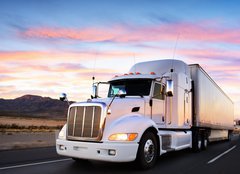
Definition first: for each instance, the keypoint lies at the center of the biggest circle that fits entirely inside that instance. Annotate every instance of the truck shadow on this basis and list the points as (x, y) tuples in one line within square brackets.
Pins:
[(167, 163), (108, 167), (103, 167)]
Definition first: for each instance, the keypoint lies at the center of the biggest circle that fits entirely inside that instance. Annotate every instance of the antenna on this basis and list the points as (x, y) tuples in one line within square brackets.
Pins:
[(94, 67), (174, 51), (134, 61)]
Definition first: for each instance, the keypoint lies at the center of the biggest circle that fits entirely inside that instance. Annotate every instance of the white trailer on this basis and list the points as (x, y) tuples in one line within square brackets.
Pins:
[(159, 106)]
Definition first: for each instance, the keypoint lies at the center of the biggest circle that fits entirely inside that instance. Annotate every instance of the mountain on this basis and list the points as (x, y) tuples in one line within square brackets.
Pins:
[(33, 106)]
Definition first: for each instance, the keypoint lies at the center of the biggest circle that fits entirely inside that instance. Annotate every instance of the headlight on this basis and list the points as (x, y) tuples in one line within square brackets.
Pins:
[(123, 137), (62, 133)]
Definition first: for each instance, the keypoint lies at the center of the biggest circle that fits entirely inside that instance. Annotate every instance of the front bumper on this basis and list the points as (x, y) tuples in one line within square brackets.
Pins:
[(114, 152)]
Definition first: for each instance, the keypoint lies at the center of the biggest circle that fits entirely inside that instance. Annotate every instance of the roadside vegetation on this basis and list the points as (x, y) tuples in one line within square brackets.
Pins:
[(21, 128), (21, 124)]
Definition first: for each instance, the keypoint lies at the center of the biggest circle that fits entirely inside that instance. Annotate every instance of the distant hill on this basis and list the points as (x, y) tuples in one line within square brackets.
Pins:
[(33, 106)]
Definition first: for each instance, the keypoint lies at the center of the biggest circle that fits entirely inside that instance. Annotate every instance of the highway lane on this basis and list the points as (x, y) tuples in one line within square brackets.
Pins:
[(45, 160)]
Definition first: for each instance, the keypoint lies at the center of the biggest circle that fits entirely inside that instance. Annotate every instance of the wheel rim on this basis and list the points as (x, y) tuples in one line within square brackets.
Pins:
[(149, 151), (205, 143), (199, 144)]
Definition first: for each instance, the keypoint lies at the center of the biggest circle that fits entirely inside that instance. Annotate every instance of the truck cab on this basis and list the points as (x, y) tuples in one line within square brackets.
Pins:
[(141, 118)]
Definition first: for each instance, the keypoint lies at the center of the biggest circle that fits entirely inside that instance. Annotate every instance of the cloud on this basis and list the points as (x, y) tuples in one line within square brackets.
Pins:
[(89, 34), (211, 54), (72, 66), (63, 69), (6, 88), (5, 78), (125, 33), (166, 19), (61, 56)]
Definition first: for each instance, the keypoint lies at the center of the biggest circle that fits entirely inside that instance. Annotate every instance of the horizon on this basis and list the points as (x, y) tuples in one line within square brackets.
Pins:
[(50, 47)]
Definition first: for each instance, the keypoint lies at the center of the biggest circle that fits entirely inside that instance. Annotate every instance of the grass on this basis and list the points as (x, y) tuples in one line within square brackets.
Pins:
[(21, 128), (22, 124)]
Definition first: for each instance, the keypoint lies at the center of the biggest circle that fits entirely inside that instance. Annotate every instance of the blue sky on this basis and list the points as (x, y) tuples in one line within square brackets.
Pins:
[(50, 46)]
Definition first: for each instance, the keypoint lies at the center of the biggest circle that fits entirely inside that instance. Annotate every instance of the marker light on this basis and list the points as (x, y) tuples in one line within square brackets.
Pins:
[(131, 73), (138, 73), (152, 73), (123, 137)]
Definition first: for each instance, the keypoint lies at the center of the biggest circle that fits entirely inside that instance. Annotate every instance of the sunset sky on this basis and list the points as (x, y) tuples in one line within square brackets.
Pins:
[(53, 46)]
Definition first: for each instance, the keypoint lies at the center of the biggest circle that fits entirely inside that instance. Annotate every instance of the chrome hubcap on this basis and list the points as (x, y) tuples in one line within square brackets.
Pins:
[(205, 143), (199, 144), (149, 151)]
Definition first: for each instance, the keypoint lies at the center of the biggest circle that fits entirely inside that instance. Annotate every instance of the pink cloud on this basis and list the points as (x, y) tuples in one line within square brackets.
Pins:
[(210, 53), (7, 88), (33, 56), (164, 32), (89, 34)]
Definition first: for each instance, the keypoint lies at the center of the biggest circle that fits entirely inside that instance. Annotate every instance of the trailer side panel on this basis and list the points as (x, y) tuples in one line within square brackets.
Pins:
[(213, 108)]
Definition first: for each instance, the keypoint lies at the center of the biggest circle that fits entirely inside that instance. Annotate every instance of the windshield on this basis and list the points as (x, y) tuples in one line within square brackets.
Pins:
[(133, 87)]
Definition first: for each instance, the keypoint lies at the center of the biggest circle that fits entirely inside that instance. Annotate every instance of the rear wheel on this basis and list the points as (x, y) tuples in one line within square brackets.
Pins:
[(229, 136), (196, 141), (200, 140), (147, 151)]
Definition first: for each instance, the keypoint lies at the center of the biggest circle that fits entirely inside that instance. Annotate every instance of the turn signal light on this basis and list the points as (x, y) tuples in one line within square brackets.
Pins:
[(123, 137)]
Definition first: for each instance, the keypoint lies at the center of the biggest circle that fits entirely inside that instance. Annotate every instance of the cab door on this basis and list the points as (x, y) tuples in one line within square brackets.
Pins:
[(158, 104)]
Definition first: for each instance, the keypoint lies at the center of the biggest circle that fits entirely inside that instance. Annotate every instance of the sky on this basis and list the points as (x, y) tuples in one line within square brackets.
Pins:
[(52, 46)]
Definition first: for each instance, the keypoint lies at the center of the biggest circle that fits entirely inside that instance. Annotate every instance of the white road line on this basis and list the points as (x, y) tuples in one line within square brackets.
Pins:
[(34, 164), (219, 156)]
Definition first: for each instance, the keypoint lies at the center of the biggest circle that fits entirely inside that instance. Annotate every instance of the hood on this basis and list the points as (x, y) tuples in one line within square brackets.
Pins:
[(124, 106)]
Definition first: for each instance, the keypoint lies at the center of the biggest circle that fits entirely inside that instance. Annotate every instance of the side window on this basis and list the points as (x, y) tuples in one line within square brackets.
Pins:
[(158, 93)]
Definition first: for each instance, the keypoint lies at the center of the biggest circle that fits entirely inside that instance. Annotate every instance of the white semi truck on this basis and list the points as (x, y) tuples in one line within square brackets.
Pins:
[(159, 106)]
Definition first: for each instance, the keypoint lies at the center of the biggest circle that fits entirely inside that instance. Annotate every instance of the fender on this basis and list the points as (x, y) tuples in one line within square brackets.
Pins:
[(129, 124)]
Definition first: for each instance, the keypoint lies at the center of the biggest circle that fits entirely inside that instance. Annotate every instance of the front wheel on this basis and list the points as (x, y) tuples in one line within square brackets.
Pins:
[(147, 151)]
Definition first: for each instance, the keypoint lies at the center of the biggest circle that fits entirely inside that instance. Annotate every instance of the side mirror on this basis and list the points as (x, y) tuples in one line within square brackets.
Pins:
[(169, 89), (63, 97)]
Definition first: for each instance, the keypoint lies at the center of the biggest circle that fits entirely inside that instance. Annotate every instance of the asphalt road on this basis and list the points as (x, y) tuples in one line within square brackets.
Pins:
[(220, 158)]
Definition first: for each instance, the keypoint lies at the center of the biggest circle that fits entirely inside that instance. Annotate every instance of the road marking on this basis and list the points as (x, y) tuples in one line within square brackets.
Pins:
[(219, 156), (34, 164)]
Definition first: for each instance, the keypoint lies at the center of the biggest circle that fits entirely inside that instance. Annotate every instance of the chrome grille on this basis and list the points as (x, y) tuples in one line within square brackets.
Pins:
[(84, 122)]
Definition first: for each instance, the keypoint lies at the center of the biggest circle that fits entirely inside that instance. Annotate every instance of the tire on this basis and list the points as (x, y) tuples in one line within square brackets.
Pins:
[(147, 151), (196, 141), (229, 136)]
